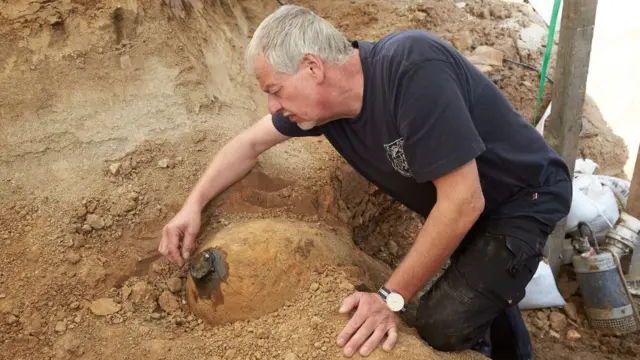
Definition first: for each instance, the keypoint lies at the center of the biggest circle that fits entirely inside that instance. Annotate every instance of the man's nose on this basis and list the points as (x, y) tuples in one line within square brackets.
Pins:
[(273, 105)]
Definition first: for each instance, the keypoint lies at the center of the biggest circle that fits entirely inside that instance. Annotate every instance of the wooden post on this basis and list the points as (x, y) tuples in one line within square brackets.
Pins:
[(633, 202), (633, 209), (572, 67)]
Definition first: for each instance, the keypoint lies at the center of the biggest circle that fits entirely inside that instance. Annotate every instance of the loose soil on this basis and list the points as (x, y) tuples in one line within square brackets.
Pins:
[(109, 112)]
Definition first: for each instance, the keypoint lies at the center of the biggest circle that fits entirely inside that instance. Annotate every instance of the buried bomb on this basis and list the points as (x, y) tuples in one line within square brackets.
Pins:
[(270, 260)]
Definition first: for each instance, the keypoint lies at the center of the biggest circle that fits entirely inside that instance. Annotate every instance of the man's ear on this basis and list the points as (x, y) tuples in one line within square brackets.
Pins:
[(313, 64)]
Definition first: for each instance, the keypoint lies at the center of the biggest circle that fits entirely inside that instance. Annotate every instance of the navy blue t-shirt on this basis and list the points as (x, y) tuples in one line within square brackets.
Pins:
[(426, 111)]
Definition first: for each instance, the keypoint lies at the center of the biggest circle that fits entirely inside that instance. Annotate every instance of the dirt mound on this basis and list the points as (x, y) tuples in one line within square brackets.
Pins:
[(291, 270), (265, 264)]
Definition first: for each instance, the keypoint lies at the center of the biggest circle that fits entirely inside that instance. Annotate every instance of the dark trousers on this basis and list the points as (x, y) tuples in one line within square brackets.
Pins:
[(475, 301)]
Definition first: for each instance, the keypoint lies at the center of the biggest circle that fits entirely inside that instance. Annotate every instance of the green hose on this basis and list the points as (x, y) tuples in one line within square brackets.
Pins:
[(547, 55)]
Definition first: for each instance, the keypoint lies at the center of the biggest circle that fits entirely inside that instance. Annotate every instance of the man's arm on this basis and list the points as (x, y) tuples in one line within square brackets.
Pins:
[(230, 164), (441, 144), (460, 203), (234, 161)]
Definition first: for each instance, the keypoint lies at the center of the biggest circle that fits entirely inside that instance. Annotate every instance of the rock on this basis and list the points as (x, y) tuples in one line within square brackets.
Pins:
[(347, 285), (500, 12), (129, 205), (12, 319), (554, 334), (2, 296), (95, 221), (168, 302), (315, 321), (486, 55), (541, 315), (163, 163), (314, 287), (230, 353), (461, 5), (290, 356), (61, 326), (481, 12), (532, 38), (142, 292), (126, 291), (104, 307), (115, 168), (392, 246), (174, 284), (571, 310), (86, 228), (91, 206), (125, 62), (462, 40), (558, 321), (79, 241), (573, 335), (73, 257)]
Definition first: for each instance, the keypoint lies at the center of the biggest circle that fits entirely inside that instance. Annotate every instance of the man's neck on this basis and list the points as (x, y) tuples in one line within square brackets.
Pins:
[(347, 88)]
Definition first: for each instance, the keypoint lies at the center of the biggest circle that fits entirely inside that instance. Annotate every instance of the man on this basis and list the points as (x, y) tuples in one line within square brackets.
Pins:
[(415, 118)]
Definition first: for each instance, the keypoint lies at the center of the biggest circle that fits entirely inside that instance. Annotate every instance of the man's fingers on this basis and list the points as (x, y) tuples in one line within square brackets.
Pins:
[(187, 244), (163, 248), (391, 340), (352, 326), (360, 337), (169, 246), (373, 341), (350, 302)]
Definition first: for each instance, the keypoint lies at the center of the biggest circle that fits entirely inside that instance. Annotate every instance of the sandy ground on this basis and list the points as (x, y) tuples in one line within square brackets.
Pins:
[(109, 112)]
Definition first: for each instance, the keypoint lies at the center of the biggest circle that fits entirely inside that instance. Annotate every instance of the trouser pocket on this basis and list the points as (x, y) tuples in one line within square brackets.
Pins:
[(500, 266)]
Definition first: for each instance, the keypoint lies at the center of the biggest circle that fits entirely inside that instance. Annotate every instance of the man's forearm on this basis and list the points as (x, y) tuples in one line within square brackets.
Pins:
[(229, 165), (441, 233)]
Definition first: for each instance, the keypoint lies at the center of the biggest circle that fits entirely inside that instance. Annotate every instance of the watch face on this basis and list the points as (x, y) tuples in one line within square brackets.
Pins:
[(395, 301)]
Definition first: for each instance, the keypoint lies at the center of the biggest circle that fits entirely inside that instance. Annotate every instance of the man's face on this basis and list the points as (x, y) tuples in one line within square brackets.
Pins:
[(299, 96)]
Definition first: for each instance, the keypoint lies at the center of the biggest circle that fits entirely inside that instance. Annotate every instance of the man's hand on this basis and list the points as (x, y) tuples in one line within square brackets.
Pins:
[(369, 325), (184, 226)]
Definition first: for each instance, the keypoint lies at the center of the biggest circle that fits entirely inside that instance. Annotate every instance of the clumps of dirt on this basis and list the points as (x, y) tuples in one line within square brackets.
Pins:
[(304, 328), (565, 333), (379, 225)]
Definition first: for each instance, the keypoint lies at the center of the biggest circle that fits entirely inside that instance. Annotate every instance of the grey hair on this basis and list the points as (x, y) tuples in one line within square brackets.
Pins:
[(285, 36)]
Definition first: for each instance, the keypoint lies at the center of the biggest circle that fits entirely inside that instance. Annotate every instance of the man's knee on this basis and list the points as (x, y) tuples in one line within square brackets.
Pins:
[(452, 316), (447, 335)]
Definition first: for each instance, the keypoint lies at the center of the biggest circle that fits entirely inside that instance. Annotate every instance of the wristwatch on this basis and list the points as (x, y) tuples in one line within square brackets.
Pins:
[(394, 301)]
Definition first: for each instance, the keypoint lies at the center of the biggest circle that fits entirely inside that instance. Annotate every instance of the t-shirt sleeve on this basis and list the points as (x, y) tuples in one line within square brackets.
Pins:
[(291, 129), (434, 121)]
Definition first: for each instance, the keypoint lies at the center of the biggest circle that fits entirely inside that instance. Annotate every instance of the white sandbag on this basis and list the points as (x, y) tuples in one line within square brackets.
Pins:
[(619, 187), (593, 204), (542, 291), (585, 166)]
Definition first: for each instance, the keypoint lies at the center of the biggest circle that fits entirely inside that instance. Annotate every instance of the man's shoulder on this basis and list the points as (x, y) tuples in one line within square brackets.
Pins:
[(411, 46)]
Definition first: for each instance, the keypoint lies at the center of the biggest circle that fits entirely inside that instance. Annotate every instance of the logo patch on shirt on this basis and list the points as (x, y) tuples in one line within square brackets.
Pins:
[(395, 154)]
